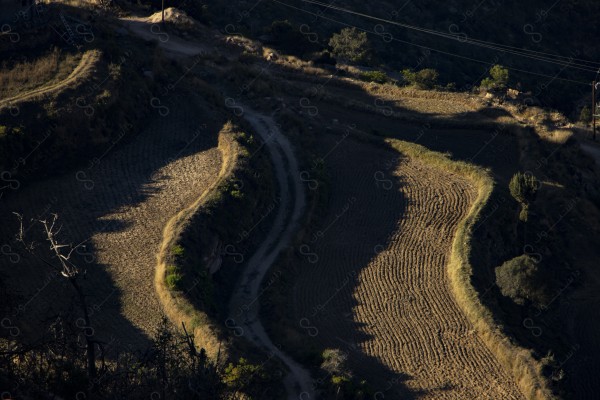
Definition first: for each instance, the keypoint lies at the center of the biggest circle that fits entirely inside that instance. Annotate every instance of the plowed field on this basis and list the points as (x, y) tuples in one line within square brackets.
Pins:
[(374, 280), (119, 202)]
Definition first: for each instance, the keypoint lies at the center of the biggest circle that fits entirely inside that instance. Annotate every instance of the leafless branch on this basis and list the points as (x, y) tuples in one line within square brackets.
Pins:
[(68, 269), (20, 236)]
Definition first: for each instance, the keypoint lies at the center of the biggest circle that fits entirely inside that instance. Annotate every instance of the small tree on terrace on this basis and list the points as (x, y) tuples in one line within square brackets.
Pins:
[(423, 79), (498, 79), (524, 187), (352, 45)]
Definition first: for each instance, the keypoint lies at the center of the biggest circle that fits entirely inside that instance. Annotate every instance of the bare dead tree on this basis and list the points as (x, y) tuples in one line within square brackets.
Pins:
[(71, 272)]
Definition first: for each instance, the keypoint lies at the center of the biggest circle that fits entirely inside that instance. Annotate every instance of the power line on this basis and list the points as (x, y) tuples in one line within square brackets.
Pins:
[(570, 62), (430, 48), (457, 36)]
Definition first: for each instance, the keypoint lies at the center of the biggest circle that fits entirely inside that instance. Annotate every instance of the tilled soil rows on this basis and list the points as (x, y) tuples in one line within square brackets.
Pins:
[(121, 202), (374, 282)]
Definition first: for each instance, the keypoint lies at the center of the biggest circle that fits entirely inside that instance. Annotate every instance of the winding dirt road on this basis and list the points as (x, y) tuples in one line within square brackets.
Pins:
[(244, 306)]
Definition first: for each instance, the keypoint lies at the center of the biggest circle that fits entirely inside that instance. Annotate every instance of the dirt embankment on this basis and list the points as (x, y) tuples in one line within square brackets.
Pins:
[(175, 303)]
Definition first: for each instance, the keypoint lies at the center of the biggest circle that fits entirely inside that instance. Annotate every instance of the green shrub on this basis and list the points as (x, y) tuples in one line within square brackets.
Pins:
[(519, 279), (374, 76), (523, 187), (246, 377), (245, 139), (177, 250), (174, 277), (423, 79), (498, 79), (351, 45), (236, 194)]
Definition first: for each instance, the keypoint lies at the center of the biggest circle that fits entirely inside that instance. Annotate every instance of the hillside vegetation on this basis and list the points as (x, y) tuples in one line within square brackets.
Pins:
[(255, 201), (564, 28)]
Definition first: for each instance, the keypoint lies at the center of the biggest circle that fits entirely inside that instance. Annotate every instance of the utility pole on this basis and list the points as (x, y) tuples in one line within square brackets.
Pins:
[(594, 110)]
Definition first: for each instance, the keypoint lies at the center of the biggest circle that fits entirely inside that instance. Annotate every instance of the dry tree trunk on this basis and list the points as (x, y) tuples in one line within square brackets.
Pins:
[(72, 273)]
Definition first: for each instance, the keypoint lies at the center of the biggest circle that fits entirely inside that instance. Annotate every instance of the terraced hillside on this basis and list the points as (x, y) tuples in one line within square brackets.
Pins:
[(374, 281), (370, 276), (120, 203)]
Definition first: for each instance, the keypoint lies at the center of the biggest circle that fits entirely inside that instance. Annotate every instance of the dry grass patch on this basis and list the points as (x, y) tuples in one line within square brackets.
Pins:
[(23, 76), (77, 3)]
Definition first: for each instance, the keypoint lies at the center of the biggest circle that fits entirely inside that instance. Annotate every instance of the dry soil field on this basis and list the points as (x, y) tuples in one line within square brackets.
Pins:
[(374, 283), (121, 202)]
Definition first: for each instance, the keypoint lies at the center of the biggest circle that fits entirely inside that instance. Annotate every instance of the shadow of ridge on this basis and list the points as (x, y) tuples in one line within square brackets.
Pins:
[(334, 88), (481, 138), (347, 241), (51, 298), (91, 203), (498, 148), (478, 137)]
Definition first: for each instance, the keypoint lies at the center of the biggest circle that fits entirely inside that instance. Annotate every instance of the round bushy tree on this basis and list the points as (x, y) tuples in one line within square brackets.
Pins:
[(351, 45), (519, 279)]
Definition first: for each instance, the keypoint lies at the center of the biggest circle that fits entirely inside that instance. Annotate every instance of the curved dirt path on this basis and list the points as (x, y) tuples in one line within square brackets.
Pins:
[(375, 285), (244, 306), (82, 71), (121, 203)]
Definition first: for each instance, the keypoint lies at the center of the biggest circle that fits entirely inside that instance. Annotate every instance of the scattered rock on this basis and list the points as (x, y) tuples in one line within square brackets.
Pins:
[(175, 16), (513, 94)]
